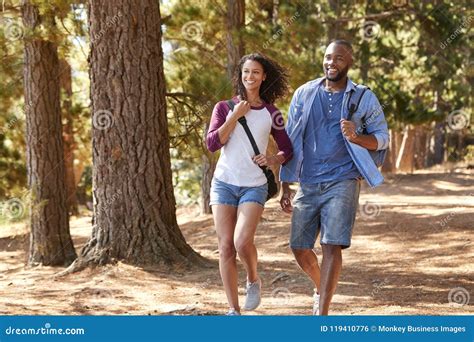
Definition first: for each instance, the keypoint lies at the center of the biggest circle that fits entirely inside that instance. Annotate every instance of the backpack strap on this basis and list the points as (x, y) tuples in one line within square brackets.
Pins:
[(231, 104), (243, 122), (354, 101)]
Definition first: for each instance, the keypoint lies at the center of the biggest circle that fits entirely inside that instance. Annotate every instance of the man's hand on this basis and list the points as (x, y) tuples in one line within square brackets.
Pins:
[(348, 129), (286, 198)]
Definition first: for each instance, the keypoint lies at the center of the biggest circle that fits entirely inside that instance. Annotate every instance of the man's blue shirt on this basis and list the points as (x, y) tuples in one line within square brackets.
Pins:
[(325, 156)]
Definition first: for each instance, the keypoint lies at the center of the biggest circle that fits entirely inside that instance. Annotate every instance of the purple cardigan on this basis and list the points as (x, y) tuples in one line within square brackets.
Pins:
[(219, 114)]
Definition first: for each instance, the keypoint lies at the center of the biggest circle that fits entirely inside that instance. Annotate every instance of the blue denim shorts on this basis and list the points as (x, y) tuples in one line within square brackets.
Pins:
[(328, 208), (224, 193)]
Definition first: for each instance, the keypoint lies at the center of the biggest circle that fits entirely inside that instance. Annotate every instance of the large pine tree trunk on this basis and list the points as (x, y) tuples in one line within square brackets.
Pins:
[(50, 241), (134, 204), (68, 135)]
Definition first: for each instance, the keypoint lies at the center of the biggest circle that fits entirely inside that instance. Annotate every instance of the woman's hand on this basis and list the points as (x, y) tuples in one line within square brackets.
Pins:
[(263, 160), (240, 110)]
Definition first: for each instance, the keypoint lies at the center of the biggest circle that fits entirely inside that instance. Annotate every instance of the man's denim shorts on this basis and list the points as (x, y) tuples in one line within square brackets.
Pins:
[(328, 208), (224, 193)]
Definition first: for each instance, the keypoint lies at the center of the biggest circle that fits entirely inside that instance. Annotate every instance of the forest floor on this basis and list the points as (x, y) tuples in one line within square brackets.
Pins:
[(412, 253)]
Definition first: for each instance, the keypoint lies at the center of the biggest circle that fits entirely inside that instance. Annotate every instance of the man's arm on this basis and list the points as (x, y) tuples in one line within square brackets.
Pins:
[(369, 141), (377, 137)]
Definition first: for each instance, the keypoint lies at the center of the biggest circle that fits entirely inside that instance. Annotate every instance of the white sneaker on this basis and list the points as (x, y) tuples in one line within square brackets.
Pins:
[(233, 312), (316, 304), (253, 298)]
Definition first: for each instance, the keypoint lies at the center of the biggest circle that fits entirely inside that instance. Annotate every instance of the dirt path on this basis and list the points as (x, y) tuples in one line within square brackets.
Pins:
[(412, 248)]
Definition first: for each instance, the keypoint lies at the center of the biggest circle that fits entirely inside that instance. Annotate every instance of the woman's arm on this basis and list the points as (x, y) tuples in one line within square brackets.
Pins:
[(221, 128), (228, 127)]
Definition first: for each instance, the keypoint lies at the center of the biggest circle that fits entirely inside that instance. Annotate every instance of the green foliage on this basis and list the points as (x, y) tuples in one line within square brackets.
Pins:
[(415, 55)]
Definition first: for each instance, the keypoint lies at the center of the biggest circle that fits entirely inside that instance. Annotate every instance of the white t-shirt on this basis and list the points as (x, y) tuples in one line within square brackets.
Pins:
[(235, 165)]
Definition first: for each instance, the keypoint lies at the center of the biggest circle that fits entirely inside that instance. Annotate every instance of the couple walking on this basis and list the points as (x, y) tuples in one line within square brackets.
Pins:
[(336, 136)]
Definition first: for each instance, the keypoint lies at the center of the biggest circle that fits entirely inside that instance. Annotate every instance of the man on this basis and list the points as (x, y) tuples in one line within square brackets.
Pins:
[(333, 150)]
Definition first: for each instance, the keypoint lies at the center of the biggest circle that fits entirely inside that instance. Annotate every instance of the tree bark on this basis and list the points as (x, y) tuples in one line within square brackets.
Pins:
[(208, 167), (134, 204), (437, 142), (391, 157), (405, 158), (50, 240), (65, 83), (420, 147)]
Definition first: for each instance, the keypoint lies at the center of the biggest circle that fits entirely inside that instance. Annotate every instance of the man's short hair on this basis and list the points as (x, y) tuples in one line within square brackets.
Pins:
[(346, 43)]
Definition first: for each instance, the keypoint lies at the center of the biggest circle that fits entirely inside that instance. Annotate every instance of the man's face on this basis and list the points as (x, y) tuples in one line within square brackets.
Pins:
[(337, 61)]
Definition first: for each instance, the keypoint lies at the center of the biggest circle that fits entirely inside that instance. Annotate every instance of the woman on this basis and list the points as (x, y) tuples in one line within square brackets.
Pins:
[(239, 186)]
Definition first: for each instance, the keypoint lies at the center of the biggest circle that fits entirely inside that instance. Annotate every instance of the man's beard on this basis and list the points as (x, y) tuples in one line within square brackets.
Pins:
[(339, 76)]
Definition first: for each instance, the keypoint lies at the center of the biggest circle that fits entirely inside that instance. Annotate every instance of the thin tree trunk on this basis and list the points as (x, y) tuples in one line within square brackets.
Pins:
[(235, 50), (333, 27), (208, 167), (235, 25), (68, 135), (50, 240), (389, 163), (134, 204), (438, 139), (406, 155), (419, 148)]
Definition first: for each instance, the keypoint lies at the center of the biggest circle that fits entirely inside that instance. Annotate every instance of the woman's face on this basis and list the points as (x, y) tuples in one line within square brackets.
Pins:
[(252, 75)]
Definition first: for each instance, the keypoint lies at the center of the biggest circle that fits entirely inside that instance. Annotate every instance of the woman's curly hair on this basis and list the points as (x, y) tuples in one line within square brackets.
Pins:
[(273, 87)]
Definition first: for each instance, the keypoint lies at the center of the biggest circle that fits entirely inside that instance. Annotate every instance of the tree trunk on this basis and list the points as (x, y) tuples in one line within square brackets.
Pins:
[(437, 141), (208, 167), (419, 148), (235, 51), (333, 26), (50, 241), (391, 157), (134, 204), (68, 135), (405, 157), (235, 25)]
